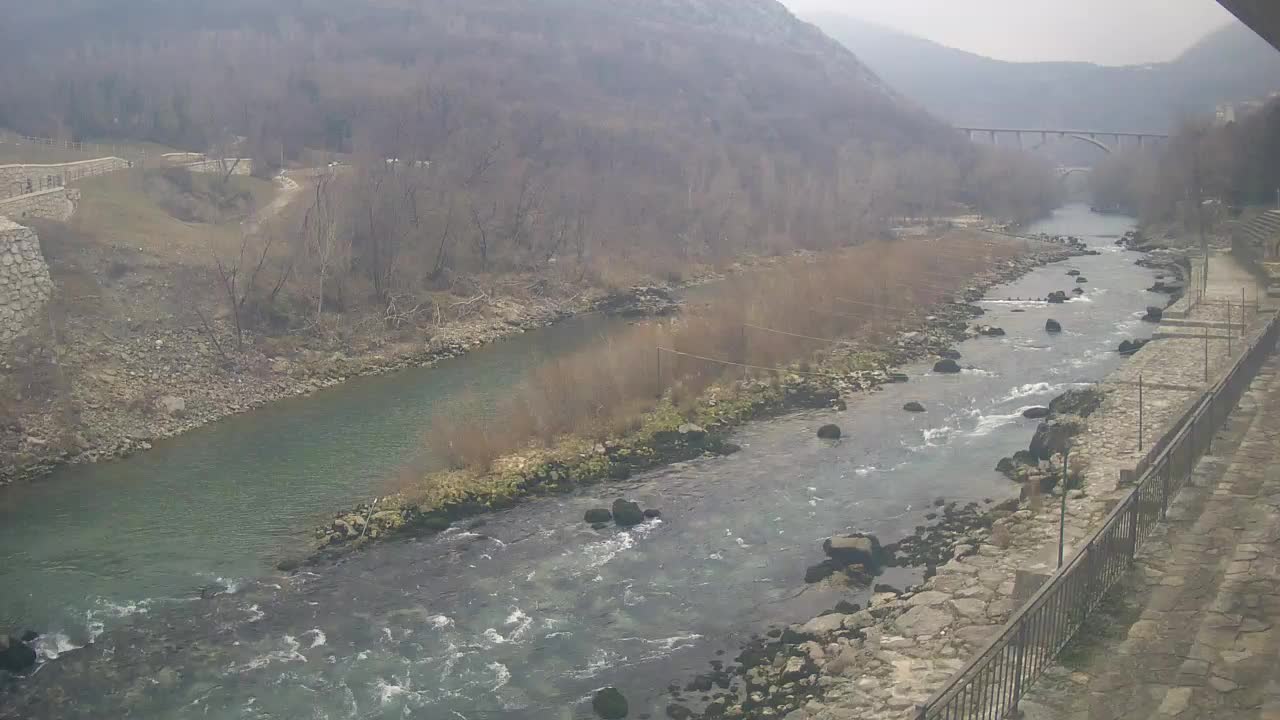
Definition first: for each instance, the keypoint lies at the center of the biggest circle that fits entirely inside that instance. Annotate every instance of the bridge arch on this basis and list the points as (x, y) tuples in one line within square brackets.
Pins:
[(1092, 141)]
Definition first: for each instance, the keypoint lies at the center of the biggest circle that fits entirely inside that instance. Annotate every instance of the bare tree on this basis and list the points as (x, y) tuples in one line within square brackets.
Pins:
[(320, 230)]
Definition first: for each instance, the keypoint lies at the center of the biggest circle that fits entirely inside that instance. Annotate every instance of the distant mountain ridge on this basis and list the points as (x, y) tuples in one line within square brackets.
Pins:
[(1230, 64)]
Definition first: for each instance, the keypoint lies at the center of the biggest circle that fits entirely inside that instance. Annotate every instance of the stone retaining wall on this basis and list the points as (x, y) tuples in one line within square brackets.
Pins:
[(54, 204), (237, 166), (26, 179), (25, 286)]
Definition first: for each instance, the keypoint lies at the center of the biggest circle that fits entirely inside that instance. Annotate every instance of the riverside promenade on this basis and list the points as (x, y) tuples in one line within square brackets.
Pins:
[(1191, 632)]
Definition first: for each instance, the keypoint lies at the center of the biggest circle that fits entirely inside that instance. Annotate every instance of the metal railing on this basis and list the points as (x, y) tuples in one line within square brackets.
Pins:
[(90, 148), (51, 176), (995, 679)]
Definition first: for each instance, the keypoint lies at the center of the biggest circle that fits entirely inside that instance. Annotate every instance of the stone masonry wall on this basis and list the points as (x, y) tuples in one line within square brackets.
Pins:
[(54, 204), (26, 179), (25, 286), (238, 166)]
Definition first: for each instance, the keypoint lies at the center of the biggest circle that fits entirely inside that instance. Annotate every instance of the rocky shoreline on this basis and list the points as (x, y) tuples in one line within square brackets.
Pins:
[(878, 662), (669, 436), (186, 390)]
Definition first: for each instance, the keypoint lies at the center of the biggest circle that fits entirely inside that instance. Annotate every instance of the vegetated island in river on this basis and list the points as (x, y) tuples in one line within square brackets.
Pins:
[(673, 391)]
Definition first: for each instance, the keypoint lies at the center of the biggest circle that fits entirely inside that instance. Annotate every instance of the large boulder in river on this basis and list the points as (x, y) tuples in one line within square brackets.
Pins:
[(989, 331), (820, 572), (1055, 437), (1052, 326), (913, 407), (1057, 297), (627, 513), (16, 657), (1154, 315), (829, 432), (859, 549), (1073, 273), (949, 354), (1077, 401), (946, 366), (1035, 413), (596, 516), (610, 704), (1082, 279), (1129, 347)]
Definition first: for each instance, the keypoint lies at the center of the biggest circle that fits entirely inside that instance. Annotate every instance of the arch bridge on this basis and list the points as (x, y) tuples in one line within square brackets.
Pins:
[(1093, 137)]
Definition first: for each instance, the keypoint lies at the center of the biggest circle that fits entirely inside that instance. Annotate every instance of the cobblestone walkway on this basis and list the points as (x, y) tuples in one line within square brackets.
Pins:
[(1197, 623)]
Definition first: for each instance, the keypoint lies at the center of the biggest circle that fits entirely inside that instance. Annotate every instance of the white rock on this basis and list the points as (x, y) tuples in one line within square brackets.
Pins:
[(930, 597), (924, 620), (823, 626)]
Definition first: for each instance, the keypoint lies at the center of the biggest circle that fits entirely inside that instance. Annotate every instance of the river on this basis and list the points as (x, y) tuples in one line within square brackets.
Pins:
[(525, 613)]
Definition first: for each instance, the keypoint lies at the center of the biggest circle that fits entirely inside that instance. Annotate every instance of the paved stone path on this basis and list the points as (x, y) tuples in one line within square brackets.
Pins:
[(1200, 637)]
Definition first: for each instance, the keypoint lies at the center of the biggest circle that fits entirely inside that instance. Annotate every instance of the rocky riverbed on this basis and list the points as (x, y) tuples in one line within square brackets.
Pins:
[(977, 563), (663, 437)]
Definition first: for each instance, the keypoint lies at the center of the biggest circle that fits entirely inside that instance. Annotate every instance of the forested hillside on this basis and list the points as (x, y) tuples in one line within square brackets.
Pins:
[(660, 130)]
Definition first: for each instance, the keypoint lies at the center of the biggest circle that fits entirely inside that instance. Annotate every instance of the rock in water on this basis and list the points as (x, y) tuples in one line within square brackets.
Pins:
[(819, 572), (1052, 326), (946, 366), (949, 354), (1054, 437), (652, 514), (597, 515), (1077, 401), (829, 432), (990, 331), (627, 513), (1035, 413), (610, 704), (16, 656), (1077, 291), (1082, 279), (1073, 273), (861, 550), (913, 407), (1057, 297), (1154, 315)]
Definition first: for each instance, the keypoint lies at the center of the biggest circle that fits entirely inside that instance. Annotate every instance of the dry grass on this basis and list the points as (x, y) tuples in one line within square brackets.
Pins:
[(788, 315)]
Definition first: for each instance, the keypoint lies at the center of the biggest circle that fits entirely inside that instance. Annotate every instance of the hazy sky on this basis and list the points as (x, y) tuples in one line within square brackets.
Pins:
[(1113, 32)]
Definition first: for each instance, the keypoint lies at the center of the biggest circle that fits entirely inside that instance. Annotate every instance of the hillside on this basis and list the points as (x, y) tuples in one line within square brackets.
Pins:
[(1230, 64), (458, 170)]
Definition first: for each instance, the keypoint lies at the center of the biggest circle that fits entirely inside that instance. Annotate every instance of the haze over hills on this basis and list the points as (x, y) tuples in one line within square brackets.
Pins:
[(699, 122), (1230, 64)]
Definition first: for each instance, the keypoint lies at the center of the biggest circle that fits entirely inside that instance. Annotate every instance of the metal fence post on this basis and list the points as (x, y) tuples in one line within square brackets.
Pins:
[(1133, 529), (1164, 493), (1062, 515), (1140, 412), (1206, 353), (1019, 668)]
